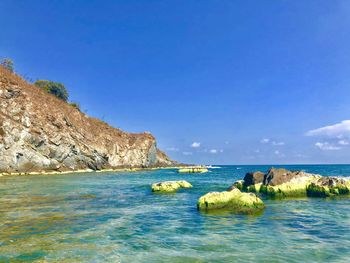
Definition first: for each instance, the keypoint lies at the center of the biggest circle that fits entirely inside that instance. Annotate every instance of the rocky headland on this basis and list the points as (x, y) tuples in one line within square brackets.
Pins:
[(41, 133)]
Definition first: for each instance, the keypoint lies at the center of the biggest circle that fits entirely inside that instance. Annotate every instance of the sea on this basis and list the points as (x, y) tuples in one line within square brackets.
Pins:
[(114, 217)]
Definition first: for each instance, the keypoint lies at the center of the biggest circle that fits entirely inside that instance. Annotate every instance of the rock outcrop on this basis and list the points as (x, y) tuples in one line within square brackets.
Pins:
[(170, 186), (39, 132), (285, 183), (233, 200), (329, 186), (278, 182)]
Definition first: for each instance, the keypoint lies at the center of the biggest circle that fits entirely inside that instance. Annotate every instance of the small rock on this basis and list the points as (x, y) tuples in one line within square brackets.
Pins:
[(170, 186)]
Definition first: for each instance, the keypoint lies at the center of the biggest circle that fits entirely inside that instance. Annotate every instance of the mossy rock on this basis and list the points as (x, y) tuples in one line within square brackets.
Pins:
[(170, 186), (296, 187), (193, 170), (255, 188), (234, 200), (238, 184), (329, 186), (279, 183)]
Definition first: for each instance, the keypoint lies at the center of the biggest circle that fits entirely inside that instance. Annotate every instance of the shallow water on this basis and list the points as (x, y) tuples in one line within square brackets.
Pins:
[(114, 217)]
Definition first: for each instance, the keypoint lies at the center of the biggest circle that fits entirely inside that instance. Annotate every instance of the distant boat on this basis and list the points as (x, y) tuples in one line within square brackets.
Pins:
[(193, 170)]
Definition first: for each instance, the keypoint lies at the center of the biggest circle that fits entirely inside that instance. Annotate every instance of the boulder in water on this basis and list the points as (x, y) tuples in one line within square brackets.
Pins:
[(279, 182), (170, 186), (285, 183), (233, 200)]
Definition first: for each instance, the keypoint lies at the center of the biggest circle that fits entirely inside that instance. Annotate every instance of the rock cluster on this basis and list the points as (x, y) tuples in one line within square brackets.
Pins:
[(39, 132), (285, 183), (239, 198)]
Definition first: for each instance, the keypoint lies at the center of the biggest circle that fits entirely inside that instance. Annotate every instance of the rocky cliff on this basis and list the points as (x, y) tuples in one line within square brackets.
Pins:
[(39, 132)]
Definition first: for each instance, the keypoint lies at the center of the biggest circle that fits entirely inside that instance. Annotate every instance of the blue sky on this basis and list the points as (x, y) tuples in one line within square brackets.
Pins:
[(224, 82)]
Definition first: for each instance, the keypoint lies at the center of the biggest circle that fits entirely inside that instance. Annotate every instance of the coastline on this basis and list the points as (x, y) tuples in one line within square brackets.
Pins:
[(136, 169)]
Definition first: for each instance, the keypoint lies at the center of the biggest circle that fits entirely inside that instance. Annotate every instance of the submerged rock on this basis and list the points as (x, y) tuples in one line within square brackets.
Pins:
[(170, 186), (233, 200), (329, 186), (193, 170)]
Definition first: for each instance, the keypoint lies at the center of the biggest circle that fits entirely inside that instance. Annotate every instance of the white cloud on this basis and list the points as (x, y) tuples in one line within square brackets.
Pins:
[(264, 140), (187, 153), (326, 146), (338, 130), (172, 149), (274, 143), (257, 151), (343, 142), (196, 145), (279, 154), (214, 151), (278, 143)]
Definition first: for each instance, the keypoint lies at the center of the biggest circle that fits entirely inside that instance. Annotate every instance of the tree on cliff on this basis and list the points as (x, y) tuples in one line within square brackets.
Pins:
[(54, 88), (7, 63)]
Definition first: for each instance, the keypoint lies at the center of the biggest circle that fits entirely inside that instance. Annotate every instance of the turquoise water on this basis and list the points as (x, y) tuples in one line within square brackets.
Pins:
[(114, 217)]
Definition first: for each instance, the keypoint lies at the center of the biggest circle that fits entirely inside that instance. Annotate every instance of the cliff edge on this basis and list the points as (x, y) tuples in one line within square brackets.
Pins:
[(39, 132)]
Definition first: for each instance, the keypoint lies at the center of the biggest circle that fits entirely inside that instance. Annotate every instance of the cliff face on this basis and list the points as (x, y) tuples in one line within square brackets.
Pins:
[(40, 132)]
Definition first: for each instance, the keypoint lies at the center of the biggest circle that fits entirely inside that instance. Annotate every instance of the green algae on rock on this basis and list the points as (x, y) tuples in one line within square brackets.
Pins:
[(294, 188), (170, 186), (233, 200), (193, 170), (278, 182), (328, 186), (238, 184)]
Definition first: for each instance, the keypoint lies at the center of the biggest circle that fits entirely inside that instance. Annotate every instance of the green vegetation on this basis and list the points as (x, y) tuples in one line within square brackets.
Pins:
[(75, 105), (8, 64), (54, 88)]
